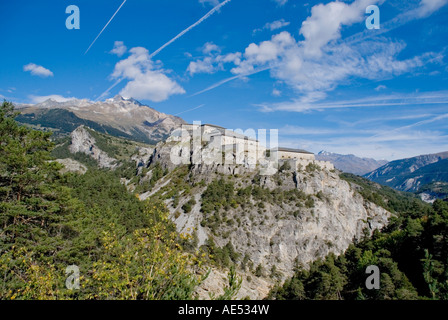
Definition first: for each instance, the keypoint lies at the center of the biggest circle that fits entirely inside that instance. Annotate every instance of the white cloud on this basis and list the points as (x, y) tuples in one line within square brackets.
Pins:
[(380, 87), (119, 48), (275, 25), (427, 7), (55, 97), (146, 79), (424, 9), (281, 2), (210, 47), (385, 141), (154, 86), (213, 61), (308, 103), (298, 130), (231, 57), (276, 92), (267, 52), (210, 2), (37, 70), (318, 64), (321, 61), (326, 21), (205, 65)]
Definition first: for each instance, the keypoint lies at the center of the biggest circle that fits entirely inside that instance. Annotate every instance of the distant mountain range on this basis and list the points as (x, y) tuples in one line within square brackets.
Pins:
[(120, 117), (425, 174), (351, 163)]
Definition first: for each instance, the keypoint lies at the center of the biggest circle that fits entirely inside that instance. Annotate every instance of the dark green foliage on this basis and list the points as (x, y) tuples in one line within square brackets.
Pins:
[(49, 221), (222, 257), (189, 205), (233, 286), (386, 197), (309, 203), (275, 274), (285, 166), (312, 167), (31, 196), (259, 271), (62, 152), (438, 189), (219, 194), (157, 173)]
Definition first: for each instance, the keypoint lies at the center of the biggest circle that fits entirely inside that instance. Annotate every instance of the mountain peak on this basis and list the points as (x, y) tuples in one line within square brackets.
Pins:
[(120, 116), (350, 163), (118, 98), (324, 153), (50, 102)]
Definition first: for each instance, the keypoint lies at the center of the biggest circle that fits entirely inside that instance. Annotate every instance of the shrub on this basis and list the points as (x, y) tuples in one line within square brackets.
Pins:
[(189, 205)]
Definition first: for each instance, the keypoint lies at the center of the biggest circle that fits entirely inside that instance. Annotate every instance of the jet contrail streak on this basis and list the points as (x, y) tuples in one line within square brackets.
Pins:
[(220, 83), (110, 88), (105, 26), (190, 27), (189, 110)]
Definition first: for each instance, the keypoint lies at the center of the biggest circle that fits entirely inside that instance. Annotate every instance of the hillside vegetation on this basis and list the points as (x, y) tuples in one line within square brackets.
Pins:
[(124, 248)]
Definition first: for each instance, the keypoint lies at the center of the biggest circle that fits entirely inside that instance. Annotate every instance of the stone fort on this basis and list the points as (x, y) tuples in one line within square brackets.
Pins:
[(238, 148)]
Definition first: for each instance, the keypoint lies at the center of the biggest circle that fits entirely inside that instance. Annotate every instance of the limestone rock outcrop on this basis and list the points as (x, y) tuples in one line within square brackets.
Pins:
[(82, 141)]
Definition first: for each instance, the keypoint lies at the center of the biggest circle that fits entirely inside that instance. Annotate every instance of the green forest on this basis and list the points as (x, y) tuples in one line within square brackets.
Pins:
[(124, 248)]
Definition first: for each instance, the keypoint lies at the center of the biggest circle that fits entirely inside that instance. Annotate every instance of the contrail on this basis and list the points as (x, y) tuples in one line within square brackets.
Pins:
[(190, 27), (189, 110), (105, 93), (216, 8), (105, 27), (220, 83)]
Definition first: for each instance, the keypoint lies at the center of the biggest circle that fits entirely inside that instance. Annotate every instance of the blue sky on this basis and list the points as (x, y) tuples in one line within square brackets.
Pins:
[(310, 69)]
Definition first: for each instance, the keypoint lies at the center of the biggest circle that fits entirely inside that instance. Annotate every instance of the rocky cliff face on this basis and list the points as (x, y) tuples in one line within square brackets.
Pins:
[(71, 165), (82, 141), (304, 215)]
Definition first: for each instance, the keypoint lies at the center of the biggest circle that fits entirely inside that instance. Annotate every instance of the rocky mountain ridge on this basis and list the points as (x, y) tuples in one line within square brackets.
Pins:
[(83, 142), (117, 116), (414, 174), (351, 163)]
